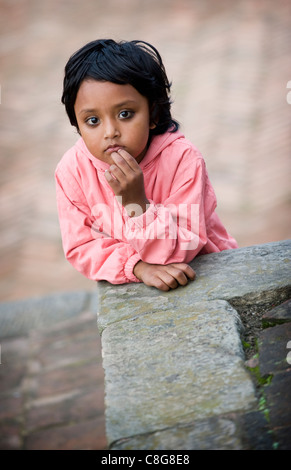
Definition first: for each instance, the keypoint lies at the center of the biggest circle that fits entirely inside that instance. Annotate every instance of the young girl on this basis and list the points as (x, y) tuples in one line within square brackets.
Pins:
[(134, 199)]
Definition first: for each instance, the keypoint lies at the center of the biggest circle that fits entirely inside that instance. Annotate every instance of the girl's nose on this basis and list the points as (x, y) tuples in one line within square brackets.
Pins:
[(111, 129)]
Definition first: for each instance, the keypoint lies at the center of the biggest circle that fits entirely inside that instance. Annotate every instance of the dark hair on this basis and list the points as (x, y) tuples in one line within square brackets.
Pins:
[(136, 63)]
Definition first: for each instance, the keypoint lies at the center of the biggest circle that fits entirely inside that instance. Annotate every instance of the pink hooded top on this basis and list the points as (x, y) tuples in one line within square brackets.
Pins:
[(102, 242)]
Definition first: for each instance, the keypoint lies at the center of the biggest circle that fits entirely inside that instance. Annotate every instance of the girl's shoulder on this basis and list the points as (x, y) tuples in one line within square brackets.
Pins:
[(74, 161), (70, 154), (173, 146), (186, 146), (181, 151)]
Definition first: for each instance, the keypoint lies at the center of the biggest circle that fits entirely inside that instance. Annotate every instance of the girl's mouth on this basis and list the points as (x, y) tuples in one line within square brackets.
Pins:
[(113, 148)]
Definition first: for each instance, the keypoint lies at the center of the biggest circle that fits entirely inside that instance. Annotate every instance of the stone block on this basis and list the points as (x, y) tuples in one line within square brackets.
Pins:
[(169, 367), (278, 403), (227, 432), (74, 406), (258, 275), (279, 314), (273, 350), (176, 358), (87, 435), (283, 438), (19, 317), (11, 438)]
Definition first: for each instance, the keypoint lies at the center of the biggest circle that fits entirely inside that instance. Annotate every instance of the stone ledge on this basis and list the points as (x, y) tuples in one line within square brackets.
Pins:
[(235, 431), (258, 275), (158, 363), (172, 359), (20, 316)]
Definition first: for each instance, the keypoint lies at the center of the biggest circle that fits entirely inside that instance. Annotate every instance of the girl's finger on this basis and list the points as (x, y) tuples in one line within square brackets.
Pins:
[(169, 279), (117, 173), (178, 275), (131, 161), (189, 272), (110, 178)]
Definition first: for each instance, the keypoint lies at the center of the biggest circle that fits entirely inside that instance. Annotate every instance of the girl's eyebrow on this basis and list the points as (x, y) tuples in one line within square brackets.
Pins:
[(89, 111), (124, 103), (118, 105)]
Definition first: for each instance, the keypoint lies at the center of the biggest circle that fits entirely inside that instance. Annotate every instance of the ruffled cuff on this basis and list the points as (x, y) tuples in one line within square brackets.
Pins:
[(128, 268)]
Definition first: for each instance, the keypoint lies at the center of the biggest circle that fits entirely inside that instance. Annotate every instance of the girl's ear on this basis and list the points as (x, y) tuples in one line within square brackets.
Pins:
[(153, 116)]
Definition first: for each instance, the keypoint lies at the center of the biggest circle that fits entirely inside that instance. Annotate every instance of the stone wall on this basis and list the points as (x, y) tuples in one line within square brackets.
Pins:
[(175, 371)]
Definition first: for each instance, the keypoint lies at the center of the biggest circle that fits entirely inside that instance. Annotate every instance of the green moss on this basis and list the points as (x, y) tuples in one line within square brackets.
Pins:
[(263, 407), (261, 381), (269, 323)]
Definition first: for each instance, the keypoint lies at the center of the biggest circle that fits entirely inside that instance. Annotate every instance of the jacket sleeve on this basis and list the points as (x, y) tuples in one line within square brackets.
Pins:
[(176, 230), (94, 255)]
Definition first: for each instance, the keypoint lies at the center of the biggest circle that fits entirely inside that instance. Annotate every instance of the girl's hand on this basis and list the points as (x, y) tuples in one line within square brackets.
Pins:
[(164, 277), (125, 177)]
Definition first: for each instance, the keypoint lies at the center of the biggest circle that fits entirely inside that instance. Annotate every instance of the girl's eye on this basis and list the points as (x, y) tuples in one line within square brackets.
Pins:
[(92, 121), (126, 114)]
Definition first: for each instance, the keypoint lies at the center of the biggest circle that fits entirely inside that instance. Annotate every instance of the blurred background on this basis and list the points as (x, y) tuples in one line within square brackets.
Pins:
[(230, 67)]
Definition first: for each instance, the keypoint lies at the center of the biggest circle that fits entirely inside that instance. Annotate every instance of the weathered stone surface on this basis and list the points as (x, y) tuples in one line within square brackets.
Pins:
[(128, 301), (275, 362), (278, 393), (19, 317), (283, 437), (227, 432), (169, 367), (176, 358), (208, 434), (258, 274), (273, 350), (279, 314)]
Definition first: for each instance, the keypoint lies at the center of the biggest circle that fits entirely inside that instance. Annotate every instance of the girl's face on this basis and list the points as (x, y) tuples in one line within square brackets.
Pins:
[(111, 117)]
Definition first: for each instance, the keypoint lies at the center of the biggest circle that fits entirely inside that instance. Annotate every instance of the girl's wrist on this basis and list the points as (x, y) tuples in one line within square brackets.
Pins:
[(138, 268), (135, 209)]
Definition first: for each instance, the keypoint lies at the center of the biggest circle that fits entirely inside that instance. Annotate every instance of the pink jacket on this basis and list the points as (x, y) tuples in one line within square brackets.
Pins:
[(102, 242)]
